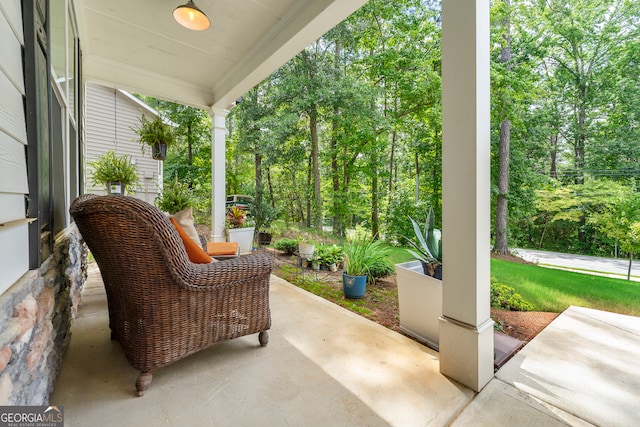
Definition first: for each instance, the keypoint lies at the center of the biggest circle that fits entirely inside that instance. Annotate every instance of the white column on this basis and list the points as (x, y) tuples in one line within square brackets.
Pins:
[(218, 163), (466, 328)]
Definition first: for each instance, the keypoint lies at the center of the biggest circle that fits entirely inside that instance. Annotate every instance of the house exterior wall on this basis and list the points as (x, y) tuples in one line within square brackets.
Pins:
[(14, 255), (35, 320), (110, 115), (42, 265)]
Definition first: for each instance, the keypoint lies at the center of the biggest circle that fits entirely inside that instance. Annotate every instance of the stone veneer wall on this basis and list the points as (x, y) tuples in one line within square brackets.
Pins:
[(35, 320)]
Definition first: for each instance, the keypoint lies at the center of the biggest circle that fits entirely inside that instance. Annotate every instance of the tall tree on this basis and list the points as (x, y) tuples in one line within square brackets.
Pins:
[(501, 245)]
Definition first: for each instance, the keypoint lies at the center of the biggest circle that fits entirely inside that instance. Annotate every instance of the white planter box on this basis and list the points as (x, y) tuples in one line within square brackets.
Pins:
[(244, 237), (419, 303)]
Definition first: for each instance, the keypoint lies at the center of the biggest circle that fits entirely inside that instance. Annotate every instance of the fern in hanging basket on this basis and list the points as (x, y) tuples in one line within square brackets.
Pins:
[(110, 168), (154, 133)]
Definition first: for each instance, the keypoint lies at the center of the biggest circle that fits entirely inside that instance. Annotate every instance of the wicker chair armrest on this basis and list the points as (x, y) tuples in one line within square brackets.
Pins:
[(224, 273)]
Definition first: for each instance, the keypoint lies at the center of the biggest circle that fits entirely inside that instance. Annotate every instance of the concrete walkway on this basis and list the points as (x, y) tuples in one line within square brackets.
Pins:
[(325, 366)]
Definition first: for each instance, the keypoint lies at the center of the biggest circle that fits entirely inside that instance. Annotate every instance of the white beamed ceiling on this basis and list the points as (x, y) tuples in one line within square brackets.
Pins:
[(136, 45)]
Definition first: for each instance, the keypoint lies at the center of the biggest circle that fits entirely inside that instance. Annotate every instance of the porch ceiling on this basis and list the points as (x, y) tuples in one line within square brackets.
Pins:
[(136, 45)]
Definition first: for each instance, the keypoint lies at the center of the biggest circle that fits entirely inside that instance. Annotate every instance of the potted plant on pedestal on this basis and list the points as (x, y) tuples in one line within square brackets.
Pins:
[(306, 245), (116, 173), (263, 214), (360, 255), (240, 229), (157, 134), (420, 285)]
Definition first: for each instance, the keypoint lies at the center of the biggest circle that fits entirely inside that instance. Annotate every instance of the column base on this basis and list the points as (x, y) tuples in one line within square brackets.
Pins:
[(466, 352)]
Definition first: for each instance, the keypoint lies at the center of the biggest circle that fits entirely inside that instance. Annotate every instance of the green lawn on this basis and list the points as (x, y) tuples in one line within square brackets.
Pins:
[(555, 290)]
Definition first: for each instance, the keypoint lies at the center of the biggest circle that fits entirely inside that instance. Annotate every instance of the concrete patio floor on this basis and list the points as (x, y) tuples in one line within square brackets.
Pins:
[(325, 366)]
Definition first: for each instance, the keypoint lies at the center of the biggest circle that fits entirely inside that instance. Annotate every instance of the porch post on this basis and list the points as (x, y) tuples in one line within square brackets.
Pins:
[(218, 161), (466, 328)]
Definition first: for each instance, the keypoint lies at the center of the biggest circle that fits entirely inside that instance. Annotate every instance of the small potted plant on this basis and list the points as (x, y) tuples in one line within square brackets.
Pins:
[(330, 256), (306, 245), (116, 173), (157, 134), (263, 214), (240, 229), (360, 255)]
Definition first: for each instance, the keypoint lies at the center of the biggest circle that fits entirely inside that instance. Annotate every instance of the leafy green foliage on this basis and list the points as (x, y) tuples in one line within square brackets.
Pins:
[(620, 221), (330, 254), (361, 255), (112, 168), (382, 268), (506, 298), (288, 246), (175, 197), (154, 131), (429, 247)]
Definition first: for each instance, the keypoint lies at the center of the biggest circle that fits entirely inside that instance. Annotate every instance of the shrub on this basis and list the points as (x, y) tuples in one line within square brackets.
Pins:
[(288, 246), (505, 298), (382, 268)]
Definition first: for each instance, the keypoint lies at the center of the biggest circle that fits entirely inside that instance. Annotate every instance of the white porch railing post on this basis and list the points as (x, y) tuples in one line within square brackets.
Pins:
[(466, 328), (218, 165)]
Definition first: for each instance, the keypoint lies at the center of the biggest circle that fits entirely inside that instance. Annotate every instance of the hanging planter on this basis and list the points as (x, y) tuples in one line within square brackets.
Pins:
[(159, 151), (116, 173), (156, 134)]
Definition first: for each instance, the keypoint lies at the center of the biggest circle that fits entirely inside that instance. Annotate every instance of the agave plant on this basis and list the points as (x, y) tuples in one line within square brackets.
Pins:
[(428, 248)]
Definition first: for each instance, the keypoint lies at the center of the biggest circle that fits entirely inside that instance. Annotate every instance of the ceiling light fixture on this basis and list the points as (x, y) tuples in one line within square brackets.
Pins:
[(189, 16)]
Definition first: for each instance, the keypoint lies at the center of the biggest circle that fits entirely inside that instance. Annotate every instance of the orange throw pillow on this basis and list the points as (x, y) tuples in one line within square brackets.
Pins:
[(195, 252)]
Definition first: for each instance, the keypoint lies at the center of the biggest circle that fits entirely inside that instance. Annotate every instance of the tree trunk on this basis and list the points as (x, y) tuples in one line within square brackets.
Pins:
[(553, 172), (630, 262), (501, 243), (259, 189), (375, 228), (417, 161), (335, 178), (317, 199)]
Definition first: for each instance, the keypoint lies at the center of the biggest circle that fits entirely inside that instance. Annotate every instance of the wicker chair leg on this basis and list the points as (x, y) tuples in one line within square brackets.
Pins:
[(263, 337), (143, 382)]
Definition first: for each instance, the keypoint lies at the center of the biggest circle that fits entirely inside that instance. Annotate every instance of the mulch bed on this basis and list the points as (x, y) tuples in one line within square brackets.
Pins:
[(382, 300)]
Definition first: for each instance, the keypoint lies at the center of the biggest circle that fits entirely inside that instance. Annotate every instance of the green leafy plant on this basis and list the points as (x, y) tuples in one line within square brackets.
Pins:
[(506, 298), (288, 246), (382, 268), (263, 214), (428, 248), (152, 132), (175, 197), (237, 218), (361, 255), (305, 237), (110, 168), (330, 254)]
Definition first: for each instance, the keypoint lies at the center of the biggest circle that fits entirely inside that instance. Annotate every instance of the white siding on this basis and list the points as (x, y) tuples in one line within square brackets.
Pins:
[(110, 117), (11, 106), (12, 10), (14, 235), (13, 170), (11, 54)]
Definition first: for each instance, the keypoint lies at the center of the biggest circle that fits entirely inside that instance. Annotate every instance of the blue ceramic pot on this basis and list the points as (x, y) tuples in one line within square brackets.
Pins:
[(354, 286)]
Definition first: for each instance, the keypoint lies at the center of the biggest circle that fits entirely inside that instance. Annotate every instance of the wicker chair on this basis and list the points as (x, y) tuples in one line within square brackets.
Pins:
[(163, 307)]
